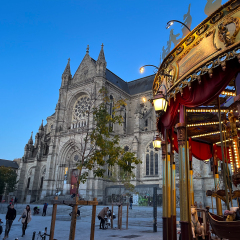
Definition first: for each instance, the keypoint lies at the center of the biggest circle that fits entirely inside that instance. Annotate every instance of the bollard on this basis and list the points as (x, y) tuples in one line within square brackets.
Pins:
[(33, 237)]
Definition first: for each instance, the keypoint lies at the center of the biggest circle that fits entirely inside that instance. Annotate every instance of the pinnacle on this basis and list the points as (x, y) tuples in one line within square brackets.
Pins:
[(67, 69), (101, 57), (30, 141), (41, 127)]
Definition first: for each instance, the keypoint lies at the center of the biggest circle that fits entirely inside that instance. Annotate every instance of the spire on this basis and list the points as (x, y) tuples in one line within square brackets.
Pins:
[(30, 141), (41, 126), (87, 49), (101, 63), (66, 76), (67, 70), (101, 57)]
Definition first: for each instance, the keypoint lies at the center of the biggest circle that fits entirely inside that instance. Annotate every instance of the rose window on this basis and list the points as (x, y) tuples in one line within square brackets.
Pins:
[(80, 107)]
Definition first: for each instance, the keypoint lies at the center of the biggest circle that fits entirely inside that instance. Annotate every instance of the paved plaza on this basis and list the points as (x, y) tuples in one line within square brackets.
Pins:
[(140, 224)]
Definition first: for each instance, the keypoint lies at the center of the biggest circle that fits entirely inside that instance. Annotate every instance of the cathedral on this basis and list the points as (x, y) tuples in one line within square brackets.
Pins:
[(49, 162)]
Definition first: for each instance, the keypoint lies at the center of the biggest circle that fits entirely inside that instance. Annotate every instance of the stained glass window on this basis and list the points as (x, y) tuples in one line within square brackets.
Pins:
[(79, 113), (151, 161)]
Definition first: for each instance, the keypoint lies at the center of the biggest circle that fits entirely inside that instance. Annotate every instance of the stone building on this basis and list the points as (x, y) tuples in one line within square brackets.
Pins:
[(49, 162)]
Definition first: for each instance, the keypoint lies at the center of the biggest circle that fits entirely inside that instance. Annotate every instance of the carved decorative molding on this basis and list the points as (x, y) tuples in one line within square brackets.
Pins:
[(181, 131), (224, 34)]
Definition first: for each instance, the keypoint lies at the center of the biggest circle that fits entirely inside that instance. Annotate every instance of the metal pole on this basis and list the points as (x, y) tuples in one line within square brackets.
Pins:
[(155, 209), (223, 159), (127, 218), (33, 237), (181, 23), (173, 191), (112, 218), (164, 206)]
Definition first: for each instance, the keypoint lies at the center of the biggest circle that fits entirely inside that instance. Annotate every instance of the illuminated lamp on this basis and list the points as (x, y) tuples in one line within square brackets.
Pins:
[(160, 102), (157, 142)]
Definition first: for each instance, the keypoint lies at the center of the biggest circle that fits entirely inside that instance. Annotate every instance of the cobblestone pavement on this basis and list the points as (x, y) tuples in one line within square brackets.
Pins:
[(140, 224)]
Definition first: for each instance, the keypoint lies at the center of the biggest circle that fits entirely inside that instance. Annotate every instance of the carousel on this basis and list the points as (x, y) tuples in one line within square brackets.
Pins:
[(196, 95)]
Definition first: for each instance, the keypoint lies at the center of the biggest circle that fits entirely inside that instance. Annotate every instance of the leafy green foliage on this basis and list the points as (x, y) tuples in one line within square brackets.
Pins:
[(8, 179), (104, 145)]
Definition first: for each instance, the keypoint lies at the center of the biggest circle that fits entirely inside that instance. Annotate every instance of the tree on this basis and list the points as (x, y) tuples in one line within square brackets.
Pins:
[(99, 146), (8, 180), (96, 143)]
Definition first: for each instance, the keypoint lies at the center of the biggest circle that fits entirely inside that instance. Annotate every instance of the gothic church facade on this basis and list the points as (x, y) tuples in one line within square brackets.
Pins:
[(49, 163)]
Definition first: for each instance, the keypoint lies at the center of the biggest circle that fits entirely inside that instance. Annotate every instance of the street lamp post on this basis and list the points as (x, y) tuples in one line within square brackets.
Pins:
[(170, 23), (149, 65)]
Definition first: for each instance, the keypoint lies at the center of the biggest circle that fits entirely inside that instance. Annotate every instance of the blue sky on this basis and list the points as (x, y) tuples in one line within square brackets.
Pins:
[(37, 37)]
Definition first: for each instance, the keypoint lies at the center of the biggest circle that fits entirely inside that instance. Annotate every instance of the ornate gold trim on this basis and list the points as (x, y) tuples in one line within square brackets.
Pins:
[(202, 29), (179, 50), (223, 30), (189, 40), (216, 17), (171, 58), (189, 49), (230, 8)]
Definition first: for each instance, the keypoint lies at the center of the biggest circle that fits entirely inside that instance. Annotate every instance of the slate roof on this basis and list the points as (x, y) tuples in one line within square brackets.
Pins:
[(141, 85), (133, 87), (113, 78), (8, 163)]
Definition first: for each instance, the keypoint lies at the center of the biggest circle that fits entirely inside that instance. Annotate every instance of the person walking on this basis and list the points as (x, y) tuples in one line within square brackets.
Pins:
[(15, 201), (130, 202), (26, 218), (10, 216), (1, 228), (101, 217), (44, 209)]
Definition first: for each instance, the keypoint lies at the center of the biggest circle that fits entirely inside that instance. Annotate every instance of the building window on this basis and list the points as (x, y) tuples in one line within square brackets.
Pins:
[(28, 184), (126, 149), (151, 161), (111, 105), (146, 122), (124, 115), (79, 112), (109, 171), (41, 183)]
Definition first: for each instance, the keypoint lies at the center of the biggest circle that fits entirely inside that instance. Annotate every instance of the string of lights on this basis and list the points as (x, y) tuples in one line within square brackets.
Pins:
[(206, 110), (206, 134), (228, 93)]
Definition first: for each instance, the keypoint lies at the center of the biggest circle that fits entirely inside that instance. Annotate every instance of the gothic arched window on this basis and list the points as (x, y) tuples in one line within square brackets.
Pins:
[(28, 183), (79, 113), (111, 104), (151, 160), (41, 185), (124, 119)]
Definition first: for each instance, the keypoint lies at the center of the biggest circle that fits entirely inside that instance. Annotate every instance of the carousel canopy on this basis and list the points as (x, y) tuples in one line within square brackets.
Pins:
[(204, 69)]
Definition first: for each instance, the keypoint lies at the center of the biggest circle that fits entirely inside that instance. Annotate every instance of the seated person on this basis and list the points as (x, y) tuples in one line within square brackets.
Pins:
[(238, 215), (232, 214)]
